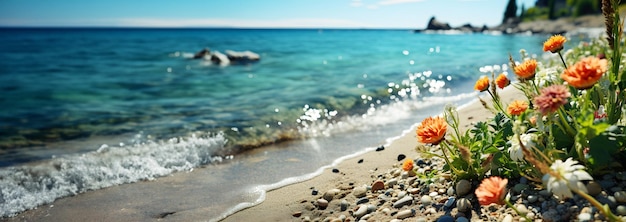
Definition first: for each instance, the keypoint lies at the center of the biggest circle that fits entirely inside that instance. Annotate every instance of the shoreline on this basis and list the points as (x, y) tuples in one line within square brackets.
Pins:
[(296, 201)]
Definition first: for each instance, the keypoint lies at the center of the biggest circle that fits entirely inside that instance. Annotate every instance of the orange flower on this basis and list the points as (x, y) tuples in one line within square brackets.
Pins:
[(526, 70), (517, 107), (482, 84), (491, 190), (502, 81), (432, 130), (407, 165), (585, 73), (554, 44)]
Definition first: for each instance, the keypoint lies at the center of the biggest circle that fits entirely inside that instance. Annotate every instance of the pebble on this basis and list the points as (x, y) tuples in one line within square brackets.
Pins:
[(335, 170), (508, 218), (620, 196), (344, 205), (450, 191), (621, 210), (401, 157), (426, 200), (330, 194), (392, 182), (449, 202), (362, 200), (445, 218), (462, 219), (522, 209), (593, 188), (380, 148), (420, 219), (322, 203), (463, 205), (463, 187), (361, 211), (359, 192), (378, 185), (297, 214), (404, 201), (405, 213), (395, 220), (583, 217), (532, 198)]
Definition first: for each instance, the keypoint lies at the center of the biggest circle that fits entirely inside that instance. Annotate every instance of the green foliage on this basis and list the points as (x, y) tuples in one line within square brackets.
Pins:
[(510, 11)]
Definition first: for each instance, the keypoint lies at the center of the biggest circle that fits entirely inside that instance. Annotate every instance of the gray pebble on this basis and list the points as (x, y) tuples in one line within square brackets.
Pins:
[(330, 194), (361, 211), (404, 201), (449, 202), (359, 192), (450, 191), (545, 193), (426, 200), (621, 210), (532, 198), (463, 205), (405, 213), (593, 188), (463, 187), (344, 205), (620, 196), (420, 219), (362, 200), (392, 182)]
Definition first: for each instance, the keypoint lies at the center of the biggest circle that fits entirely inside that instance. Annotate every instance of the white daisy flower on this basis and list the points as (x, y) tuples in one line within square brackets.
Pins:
[(565, 177), (515, 151)]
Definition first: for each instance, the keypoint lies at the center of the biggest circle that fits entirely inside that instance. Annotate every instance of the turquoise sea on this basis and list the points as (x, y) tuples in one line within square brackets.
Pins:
[(88, 108)]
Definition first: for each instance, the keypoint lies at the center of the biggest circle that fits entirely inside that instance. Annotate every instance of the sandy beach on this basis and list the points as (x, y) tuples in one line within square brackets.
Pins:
[(151, 200)]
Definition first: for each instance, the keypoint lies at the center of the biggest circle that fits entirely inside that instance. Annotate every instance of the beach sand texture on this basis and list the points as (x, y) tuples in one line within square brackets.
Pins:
[(152, 200)]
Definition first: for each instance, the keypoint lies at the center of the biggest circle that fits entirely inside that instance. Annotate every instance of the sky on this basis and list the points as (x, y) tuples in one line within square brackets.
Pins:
[(392, 14)]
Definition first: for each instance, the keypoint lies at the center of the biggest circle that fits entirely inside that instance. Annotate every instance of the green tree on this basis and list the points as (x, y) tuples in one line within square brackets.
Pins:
[(551, 9), (510, 11)]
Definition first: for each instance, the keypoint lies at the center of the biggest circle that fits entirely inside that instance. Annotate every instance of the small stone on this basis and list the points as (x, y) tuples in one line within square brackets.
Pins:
[(359, 192), (420, 219), (620, 196), (330, 194), (593, 188), (362, 200), (522, 209), (378, 185), (449, 202), (360, 161), (335, 170), (621, 210), (392, 182), (404, 201), (519, 187), (322, 203), (450, 191), (426, 200), (314, 192), (508, 218), (545, 193), (361, 211), (401, 157), (445, 218), (584, 217), (433, 194), (297, 214), (463, 187), (463, 205), (380, 148), (532, 198), (462, 219), (405, 214), (344, 205), (395, 220)]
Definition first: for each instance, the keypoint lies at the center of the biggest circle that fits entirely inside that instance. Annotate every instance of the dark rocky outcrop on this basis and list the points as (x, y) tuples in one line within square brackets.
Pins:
[(434, 24), (231, 57)]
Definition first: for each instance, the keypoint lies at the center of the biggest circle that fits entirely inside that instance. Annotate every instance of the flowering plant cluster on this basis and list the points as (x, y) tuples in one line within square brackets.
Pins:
[(569, 126)]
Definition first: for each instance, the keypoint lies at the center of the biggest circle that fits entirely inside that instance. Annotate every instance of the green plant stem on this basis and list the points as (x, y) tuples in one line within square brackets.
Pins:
[(562, 60), (565, 124), (496, 101), (445, 157), (516, 210), (603, 209)]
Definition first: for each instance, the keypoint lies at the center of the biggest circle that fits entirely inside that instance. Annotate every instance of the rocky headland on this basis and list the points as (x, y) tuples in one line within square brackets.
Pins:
[(513, 26)]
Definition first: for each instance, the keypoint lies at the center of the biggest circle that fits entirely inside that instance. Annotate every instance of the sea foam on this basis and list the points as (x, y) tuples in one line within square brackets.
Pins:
[(28, 186)]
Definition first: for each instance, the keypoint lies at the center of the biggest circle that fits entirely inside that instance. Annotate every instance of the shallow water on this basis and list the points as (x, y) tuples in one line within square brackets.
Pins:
[(99, 107)]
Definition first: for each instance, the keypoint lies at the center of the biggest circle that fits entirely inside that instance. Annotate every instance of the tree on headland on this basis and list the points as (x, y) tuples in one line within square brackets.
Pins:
[(510, 11)]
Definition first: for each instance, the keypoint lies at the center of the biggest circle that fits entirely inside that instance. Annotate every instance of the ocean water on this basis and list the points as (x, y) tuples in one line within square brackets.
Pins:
[(89, 108)]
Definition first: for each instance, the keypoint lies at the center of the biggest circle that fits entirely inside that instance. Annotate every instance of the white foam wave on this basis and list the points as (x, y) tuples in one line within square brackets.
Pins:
[(26, 187)]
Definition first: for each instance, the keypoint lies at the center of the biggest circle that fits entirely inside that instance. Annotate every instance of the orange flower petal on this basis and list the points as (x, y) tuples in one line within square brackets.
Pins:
[(585, 73), (491, 190), (554, 43), (526, 70), (407, 165), (482, 84), (502, 81), (517, 107), (432, 130)]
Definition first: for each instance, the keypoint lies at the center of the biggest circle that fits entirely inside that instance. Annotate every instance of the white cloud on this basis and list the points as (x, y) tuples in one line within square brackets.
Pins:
[(356, 3), (394, 2)]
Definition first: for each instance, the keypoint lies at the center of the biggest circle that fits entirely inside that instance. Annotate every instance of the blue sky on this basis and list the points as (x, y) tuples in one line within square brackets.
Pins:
[(252, 13)]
